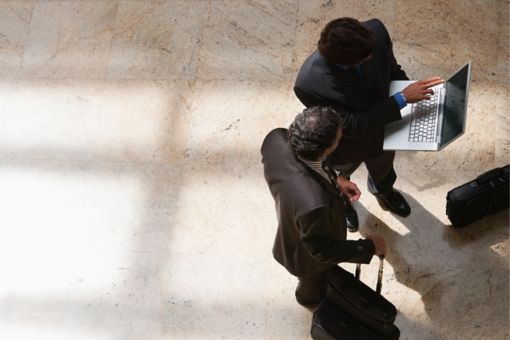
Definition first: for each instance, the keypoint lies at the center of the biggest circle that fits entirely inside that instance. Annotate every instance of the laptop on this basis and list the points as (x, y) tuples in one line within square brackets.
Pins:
[(431, 124)]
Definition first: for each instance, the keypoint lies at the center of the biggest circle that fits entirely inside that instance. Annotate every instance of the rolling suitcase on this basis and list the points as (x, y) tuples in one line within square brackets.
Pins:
[(353, 310), (484, 195)]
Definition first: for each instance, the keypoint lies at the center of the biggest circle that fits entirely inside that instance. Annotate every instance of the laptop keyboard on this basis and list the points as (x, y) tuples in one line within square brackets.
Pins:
[(424, 119)]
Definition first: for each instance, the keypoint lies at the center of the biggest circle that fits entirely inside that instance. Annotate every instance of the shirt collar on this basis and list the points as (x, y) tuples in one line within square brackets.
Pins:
[(342, 66)]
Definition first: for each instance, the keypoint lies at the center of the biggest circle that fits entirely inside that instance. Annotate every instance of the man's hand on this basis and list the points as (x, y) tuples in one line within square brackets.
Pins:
[(420, 90), (348, 189), (379, 245)]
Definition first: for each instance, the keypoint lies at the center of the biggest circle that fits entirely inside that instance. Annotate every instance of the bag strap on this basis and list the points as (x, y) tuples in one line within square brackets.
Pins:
[(378, 287), (379, 275)]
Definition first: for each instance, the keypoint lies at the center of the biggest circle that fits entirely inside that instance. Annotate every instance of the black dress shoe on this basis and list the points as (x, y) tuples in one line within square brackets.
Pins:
[(351, 218), (394, 201)]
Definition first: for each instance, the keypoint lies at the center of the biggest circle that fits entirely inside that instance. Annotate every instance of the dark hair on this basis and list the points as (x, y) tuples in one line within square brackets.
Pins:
[(313, 131), (345, 41)]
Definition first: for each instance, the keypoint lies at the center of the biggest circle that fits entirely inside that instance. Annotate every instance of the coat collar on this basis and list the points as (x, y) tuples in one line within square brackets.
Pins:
[(278, 155), (344, 75), (326, 184)]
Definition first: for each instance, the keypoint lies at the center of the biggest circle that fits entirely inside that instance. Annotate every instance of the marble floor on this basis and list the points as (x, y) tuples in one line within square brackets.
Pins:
[(133, 201)]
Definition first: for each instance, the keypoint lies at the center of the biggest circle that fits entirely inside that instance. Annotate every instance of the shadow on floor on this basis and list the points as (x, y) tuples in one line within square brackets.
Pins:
[(459, 273)]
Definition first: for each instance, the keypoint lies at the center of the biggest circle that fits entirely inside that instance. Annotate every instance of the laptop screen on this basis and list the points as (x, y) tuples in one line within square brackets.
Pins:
[(454, 118)]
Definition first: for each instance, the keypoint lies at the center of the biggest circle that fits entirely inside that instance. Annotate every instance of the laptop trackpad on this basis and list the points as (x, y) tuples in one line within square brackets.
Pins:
[(396, 133), (399, 127)]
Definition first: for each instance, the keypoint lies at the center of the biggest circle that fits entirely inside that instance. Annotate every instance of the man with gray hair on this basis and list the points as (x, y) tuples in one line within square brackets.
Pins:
[(310, 203)]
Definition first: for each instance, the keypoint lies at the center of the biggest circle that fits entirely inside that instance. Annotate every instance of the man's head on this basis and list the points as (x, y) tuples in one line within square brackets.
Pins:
[(345, 41), (315, 132)]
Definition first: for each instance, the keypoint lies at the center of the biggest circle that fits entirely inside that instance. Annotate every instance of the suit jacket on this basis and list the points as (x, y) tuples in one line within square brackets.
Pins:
[(364, 104), (311, 233)]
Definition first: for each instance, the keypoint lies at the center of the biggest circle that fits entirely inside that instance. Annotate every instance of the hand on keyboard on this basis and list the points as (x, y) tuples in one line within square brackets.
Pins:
[(421, 89)]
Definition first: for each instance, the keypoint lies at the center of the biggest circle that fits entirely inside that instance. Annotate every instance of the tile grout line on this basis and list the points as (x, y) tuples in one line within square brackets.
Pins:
[(115, 22), (22, 66)]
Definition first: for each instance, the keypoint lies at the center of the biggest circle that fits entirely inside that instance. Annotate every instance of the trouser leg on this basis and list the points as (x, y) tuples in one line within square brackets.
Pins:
[(311, 290), (346, 170), (381, 175)]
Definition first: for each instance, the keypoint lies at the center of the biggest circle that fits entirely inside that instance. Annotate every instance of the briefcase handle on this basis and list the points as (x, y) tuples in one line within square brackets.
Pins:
[(492, 175), (378, 287)]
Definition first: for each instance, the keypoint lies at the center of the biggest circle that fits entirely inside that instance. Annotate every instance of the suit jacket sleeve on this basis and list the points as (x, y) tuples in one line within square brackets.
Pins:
[(356, 124), (314, 232), (396, 70)]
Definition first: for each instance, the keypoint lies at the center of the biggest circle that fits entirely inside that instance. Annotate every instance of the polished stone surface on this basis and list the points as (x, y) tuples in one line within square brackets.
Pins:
[(134, 203), (69, 39), (14, 26), (157, 39), (248, 40)]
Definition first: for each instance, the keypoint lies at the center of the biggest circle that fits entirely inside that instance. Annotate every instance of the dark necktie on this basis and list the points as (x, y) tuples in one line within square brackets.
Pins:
[(332, 178), (331, 174), (356, 72)]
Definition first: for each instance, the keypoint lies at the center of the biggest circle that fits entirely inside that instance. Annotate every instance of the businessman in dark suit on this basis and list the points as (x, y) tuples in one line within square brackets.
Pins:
[(309, 202), (351, 71)]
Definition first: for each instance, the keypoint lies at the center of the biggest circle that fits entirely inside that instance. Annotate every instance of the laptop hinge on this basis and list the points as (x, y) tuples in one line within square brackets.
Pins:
[(442, 100)]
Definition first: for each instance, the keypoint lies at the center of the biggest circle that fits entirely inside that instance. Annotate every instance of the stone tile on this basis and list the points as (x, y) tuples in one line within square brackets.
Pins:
[(14, 25), (223, 156), (229, 120), (418, 63), (503, 123), (69, 39), (314, 15), (248, 40), (223, 224), (448, 33), (502, 133), (94, 120), (242, 300), (504, 39), (157, 39), (98, 248)]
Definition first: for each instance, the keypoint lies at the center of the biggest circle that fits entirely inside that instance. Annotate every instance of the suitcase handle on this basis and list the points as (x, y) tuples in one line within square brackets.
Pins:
[(489, 176), (378, 286)]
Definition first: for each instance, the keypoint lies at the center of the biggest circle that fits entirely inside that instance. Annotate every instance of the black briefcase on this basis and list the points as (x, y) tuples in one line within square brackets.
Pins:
[(360, 301), (482, 196), (352, 310), (331, 323)]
